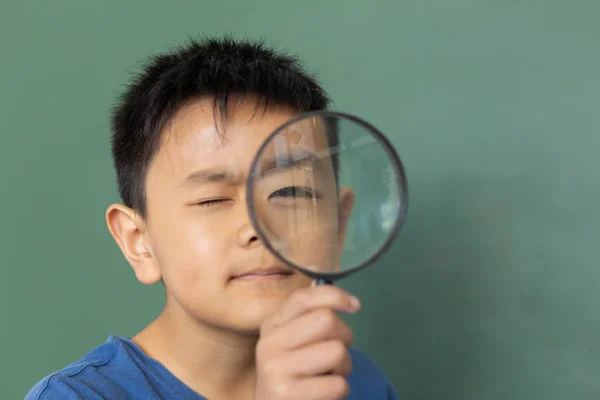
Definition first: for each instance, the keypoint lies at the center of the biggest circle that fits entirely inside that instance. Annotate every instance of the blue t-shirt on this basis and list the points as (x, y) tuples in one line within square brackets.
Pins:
[(120, 370)]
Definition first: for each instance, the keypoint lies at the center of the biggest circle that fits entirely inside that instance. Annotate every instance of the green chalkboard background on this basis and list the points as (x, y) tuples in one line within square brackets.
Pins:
[(490, 292)]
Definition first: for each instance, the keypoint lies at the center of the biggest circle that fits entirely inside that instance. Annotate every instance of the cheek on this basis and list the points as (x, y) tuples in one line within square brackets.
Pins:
[(189, 251), (320, 250), (309, 243)]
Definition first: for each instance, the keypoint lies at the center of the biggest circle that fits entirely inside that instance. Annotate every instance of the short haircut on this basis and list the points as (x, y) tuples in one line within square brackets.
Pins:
[(214, 68)]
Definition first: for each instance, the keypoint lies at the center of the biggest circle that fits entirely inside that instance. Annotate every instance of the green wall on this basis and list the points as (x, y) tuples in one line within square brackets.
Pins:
[(491, 291)]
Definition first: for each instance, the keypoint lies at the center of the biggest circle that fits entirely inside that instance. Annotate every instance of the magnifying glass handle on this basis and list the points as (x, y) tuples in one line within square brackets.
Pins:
[(320, 282)]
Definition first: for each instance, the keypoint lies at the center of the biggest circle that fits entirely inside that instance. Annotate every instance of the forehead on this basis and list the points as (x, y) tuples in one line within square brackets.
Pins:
[(197, 138)]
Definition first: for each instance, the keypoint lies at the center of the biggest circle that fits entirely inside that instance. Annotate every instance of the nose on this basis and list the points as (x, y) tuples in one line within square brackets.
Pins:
[(247, 236)]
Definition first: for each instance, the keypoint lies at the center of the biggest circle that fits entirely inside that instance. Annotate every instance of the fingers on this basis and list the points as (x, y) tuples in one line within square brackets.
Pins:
[(327, 387), (314, 326), (306, 299), (324, 387), (330, 357), (302, 352)]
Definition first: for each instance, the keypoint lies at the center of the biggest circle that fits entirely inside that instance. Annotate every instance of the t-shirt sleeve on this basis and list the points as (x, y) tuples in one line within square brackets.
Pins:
[(46, 389), (60, 387)]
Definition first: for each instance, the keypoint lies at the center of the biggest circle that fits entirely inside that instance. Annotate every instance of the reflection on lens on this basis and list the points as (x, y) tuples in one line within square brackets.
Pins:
[(326, 193)]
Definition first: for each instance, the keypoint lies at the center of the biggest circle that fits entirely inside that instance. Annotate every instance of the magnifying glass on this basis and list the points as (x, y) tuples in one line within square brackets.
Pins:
[(327, 194)]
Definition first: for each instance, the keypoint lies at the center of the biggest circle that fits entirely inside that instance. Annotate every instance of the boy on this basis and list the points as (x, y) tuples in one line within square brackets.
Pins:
[(237, 324)]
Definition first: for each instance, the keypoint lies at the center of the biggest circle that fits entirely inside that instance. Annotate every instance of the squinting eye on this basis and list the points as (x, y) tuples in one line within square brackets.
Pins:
[(212, 202), (293, 191)]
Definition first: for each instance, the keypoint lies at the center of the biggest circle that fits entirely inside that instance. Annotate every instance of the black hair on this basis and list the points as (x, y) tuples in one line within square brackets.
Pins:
[(216, 68)]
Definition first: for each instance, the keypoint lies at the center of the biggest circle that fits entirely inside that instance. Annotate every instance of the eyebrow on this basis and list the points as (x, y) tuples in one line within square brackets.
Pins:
[(206, 176), (288, 160)]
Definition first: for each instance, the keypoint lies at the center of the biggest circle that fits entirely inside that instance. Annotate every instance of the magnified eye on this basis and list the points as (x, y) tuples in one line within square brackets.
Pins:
[(327, 194), (293, 192)]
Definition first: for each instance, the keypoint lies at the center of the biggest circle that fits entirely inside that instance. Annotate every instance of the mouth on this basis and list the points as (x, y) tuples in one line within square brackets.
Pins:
[(265, 274)]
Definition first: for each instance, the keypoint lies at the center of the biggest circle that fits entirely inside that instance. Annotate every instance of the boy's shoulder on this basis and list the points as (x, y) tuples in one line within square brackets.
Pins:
[(118, 369), (109, 371)]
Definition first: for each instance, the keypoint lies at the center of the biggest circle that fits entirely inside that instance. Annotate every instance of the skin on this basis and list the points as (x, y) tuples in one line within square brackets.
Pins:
[(224, 336)]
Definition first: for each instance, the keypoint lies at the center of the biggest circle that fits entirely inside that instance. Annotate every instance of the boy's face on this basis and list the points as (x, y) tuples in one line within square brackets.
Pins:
[(197, 236)]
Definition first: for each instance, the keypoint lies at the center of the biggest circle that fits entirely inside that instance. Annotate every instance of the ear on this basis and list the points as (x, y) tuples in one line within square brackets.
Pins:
[(346, 204), (129, 231)]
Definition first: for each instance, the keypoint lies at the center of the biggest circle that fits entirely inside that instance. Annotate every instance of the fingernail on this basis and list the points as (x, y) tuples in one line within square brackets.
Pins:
[(354, 303)]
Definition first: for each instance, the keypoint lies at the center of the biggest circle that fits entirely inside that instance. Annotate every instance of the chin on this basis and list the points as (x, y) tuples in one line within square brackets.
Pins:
[(252, 307), (245, 305), (252, 314), (246, 321)]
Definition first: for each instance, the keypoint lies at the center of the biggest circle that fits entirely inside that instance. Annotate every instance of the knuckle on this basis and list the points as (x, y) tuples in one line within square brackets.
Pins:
[(349, 367), (330, 294), (339, 387), (282, 389), (270, 368), (327, 318), (338, 350), (349, 335), (339, 294)]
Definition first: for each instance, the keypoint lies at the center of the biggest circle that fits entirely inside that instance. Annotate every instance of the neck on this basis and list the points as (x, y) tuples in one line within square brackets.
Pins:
[(214, 362)]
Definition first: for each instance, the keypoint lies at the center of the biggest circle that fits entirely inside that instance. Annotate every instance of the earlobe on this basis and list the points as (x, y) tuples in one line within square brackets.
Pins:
[(128, 230)]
